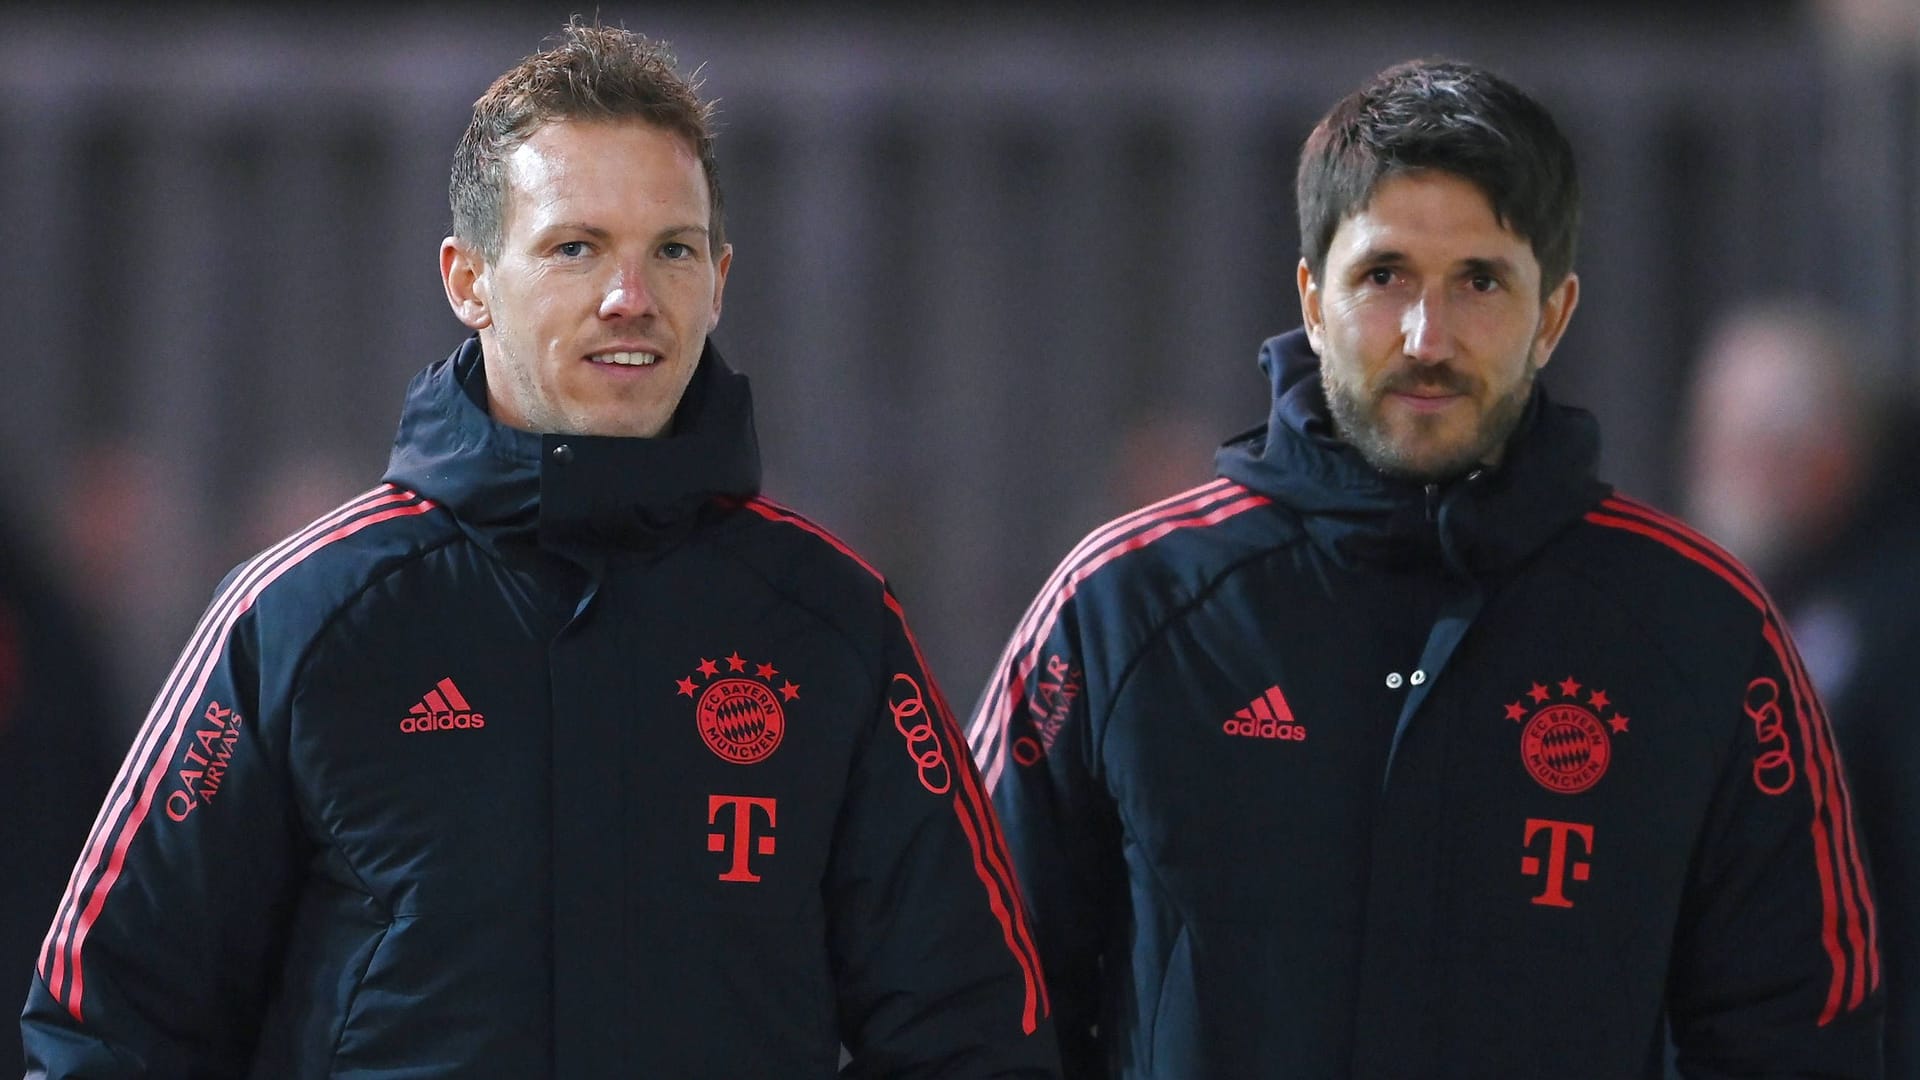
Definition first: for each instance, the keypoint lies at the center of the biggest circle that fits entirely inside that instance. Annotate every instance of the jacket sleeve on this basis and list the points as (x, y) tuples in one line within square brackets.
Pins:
[(159, 956), (932, 952), (1031, 736), (1777, 968)]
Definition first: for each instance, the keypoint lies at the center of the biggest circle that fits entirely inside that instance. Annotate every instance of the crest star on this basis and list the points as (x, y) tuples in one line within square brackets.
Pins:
[(686, 686), (1569, 688), (1619, 724), (765, 671), (735, 662), (789, 691), (1539, 694), (1599, 700), (708, 668), (1516, 712)]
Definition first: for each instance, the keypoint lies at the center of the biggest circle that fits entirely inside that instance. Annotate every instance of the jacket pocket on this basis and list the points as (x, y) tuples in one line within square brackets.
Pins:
[(361, 965)]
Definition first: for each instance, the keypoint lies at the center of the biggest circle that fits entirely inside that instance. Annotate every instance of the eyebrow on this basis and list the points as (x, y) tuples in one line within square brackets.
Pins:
[(1378, 256), (1493, 265), (599, 233)]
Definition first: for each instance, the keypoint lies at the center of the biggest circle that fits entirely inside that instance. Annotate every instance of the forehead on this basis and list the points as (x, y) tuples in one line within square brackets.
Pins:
[(1429, 214), (604, 167)]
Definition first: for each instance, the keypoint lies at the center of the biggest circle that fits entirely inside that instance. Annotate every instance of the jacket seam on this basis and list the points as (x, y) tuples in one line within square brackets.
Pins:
[(298, 681), (1606, 592), (875, 669), (359, 983), (1200, 596)]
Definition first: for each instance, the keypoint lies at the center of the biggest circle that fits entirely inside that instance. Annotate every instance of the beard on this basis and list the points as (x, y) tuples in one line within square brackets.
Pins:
[(1419, 448)]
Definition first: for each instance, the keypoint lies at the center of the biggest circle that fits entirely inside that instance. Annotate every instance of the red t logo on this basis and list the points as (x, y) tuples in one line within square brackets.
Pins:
[(743, 808), (1556, 858)]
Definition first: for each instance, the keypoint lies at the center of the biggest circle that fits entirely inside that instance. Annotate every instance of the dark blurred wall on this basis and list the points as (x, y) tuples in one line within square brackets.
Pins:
[(998, 276)]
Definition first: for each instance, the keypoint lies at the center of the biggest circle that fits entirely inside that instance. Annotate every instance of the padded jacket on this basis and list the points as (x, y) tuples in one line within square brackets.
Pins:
[(1314, 772), (550, 756)]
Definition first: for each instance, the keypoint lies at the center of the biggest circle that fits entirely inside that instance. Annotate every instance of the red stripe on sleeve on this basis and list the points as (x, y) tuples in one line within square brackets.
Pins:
[(1028, 629), (1022, 656), (1028, 1021), (1837, 857), (977, 803), (1796, 668), (53, 959), (991, 861), (239, 598), (1840, 796)]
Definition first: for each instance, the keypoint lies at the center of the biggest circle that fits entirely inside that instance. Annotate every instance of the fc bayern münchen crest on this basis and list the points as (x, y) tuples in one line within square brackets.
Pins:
[(1566, 738), (740, 717)]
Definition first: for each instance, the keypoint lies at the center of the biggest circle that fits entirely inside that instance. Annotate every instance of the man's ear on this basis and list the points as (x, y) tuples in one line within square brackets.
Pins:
[(720, 267), (1555, 313), (1311, 315), (463, 272)]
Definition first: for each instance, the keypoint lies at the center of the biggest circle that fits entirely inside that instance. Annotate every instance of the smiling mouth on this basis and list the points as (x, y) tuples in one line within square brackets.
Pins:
[(623, 359)]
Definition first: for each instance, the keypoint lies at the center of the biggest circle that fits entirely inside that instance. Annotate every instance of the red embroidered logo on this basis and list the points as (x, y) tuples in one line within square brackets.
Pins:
[(1773, 765), (444, 708), (739, 717), (1266, 717), (742, 832), (203, 767), (1558, 864), (1053, 698), (1565, 745), (907, 703)]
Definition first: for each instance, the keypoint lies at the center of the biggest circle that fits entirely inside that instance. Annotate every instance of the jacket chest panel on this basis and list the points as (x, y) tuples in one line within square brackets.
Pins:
[(1272, 752), (718, 728), (421, 748), (1572, 773)]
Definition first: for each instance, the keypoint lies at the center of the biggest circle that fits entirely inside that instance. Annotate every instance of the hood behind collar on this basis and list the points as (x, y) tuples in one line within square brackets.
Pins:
[(591, 489), (1483, 522)]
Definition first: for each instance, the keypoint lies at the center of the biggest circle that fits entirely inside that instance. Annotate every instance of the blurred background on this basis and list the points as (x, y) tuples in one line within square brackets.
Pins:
[(1000, 274), (1000, 271)]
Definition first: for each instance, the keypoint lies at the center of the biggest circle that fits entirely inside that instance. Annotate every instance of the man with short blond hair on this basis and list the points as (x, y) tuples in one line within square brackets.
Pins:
[(561, 752)]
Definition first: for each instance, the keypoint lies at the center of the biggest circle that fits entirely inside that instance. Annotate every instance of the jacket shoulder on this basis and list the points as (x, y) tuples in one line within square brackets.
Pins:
[(302, 580), (1163, 555), (1672, 573), (804, 561), (1129, 576)]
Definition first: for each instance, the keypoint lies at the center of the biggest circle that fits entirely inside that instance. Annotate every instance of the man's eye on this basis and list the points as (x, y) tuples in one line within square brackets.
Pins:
[(1483, 282), (572, 249), (676, 250), (1380, 275)]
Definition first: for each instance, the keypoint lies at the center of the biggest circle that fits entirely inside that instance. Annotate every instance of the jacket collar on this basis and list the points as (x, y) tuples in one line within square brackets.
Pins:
[(1484, 522), (573, 491)]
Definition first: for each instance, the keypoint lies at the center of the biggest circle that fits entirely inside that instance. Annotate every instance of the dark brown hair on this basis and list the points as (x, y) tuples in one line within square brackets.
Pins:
[(1451, 117)]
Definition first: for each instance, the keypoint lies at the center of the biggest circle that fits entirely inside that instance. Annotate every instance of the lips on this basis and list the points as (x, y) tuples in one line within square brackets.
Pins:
[(623, 358)]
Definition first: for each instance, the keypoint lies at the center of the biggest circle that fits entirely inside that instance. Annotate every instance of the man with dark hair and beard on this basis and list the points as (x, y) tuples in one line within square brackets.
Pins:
[(1407, 747)]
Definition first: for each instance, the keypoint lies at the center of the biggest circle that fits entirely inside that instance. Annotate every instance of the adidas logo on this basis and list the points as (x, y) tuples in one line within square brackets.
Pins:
[(443, 709), (1266, 717)]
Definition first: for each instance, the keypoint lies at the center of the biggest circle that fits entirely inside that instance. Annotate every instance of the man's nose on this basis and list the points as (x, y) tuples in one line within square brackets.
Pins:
[(1426, 329), (627, 295)]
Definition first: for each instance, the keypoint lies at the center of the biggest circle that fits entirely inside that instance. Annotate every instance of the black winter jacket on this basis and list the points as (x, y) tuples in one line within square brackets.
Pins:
[(551, 756), (1310, 772)]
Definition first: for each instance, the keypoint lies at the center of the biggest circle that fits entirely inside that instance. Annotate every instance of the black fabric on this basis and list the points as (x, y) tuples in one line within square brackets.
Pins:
[(552, 756), (1314, 772)]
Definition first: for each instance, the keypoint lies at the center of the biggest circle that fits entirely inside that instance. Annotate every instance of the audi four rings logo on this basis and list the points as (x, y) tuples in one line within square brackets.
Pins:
[(913, 721), (1773, 765)]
